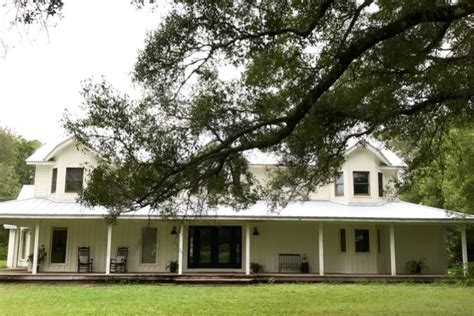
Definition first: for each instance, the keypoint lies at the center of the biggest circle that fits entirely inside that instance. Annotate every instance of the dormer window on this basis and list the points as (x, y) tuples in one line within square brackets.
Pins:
[(54, 180), (74, 180), (339, 186), (361, 183)]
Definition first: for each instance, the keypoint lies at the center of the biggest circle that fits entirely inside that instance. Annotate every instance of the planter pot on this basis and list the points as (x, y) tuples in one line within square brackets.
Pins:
[(305, 267)]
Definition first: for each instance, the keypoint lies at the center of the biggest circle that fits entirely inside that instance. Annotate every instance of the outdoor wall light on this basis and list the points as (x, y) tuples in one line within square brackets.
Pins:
[(173, 231), (255, 232)]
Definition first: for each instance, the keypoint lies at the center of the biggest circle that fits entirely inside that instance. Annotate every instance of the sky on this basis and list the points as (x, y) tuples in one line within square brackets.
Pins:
[(42, 70)]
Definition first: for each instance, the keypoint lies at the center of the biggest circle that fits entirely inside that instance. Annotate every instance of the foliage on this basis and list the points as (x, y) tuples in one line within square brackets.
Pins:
[(3, 251), (416, 266), (458, 270), (13, 170), (446, 180), (173, 266), (294, 79), (41, 255), (299, 299), (256, 267)]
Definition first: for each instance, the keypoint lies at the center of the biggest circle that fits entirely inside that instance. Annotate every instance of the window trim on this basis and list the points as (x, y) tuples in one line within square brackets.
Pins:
[(156, 247), (380, 183), (54, 180), (339, 174), (51, 246), (354, 183), (66, 182), (355, 241)]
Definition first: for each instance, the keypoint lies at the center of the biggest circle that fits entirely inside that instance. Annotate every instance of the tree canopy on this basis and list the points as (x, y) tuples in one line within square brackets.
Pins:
[(13, 170), (295, 79)]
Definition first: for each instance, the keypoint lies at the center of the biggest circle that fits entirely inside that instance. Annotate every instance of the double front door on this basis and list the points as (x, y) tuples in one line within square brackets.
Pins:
[(215, 247)]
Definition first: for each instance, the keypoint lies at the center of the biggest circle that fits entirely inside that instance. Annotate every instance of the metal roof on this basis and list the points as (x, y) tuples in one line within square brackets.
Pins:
[(395, 211)]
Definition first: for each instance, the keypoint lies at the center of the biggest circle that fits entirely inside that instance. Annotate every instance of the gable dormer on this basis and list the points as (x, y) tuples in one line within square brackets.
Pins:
[(61, 169), (365, 175)]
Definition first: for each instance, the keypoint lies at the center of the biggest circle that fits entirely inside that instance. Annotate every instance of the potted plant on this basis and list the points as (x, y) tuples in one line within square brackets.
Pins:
[(304, 264), (41, 256), (416, 266), (173, 266), (256, 267)]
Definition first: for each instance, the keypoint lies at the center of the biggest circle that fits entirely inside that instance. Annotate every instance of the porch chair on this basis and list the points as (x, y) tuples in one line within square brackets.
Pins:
[(84, 260), (119, 264)]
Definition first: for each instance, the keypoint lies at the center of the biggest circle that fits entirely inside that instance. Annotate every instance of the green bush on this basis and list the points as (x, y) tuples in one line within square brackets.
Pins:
[(3, 252), (458, 270)]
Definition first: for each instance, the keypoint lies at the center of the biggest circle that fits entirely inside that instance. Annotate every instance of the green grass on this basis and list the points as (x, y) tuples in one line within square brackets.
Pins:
[(258, 299), (3, 264)]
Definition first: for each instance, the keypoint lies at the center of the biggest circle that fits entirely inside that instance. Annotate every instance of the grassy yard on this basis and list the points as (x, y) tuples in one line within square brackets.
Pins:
[(3, 264), (257, 299)]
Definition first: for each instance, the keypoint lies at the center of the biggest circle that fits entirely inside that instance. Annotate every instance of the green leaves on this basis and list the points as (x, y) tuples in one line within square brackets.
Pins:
[(307, 77)]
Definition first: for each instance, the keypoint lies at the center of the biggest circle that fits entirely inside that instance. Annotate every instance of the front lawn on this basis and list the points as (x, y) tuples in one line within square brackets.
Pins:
[(254, 299), (3, 264)]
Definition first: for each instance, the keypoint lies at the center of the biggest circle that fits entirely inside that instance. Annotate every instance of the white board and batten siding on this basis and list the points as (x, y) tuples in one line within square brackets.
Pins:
[(412, 242)]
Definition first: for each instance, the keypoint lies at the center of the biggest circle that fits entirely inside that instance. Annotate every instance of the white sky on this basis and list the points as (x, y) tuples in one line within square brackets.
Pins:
[(40, 77)]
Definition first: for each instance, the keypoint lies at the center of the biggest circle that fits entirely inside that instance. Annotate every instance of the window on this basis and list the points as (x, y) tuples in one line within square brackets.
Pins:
[(340, 184), (342, 234), (361, 183), (59, 245), (149, 245), (362, 240), (74, 179), (54, 180), (380, 184)]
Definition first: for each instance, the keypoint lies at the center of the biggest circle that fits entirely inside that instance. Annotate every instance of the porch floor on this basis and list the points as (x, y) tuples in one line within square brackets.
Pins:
[(17, 275)]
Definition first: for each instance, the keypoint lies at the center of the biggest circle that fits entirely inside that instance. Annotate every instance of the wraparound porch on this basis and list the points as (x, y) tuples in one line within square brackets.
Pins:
[(390, 246)]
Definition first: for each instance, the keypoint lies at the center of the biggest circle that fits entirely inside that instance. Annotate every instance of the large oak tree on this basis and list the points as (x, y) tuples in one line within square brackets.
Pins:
[(307, 76)]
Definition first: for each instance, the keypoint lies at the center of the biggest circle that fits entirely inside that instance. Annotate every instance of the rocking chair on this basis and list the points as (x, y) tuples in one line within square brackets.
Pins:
[(119, 264), (84, 260)]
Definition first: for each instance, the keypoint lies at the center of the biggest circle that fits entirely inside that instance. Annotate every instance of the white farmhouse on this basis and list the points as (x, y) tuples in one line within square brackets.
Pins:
[(346, 228)]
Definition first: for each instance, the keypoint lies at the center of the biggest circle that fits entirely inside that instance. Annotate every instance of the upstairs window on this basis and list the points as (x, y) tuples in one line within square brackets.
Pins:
[(361, 183), (339, 184), (54, 180), (362, 240), (74, 179), (380, 184)]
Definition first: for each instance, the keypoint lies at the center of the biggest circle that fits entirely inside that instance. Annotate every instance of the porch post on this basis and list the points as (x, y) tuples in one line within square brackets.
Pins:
[(180, 249), (393, 261), (109, 249), (321, 249), (16, 246), (464, 250), (247, 249), (34, 268)]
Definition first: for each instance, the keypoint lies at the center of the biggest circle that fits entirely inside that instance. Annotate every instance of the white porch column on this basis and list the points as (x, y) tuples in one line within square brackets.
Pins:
[(321, 249), (180, 249), (247, 249), (393, 259), (34, 268), (109, 249), (11, 247), (464, 250), (16, 247)]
